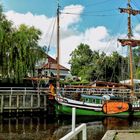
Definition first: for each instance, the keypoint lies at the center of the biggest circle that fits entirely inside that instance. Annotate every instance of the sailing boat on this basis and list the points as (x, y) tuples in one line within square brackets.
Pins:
[(93, 102), (106, 104)]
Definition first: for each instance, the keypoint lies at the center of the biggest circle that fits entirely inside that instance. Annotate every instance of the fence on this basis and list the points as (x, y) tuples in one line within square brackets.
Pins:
[(20, 100), (28, 99)]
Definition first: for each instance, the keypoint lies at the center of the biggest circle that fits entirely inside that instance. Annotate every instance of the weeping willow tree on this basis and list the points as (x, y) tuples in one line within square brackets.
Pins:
[(6, 31), (24, 52), (19, 50)]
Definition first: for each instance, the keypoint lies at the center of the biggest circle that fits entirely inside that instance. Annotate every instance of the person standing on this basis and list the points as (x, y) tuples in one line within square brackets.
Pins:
[(52, 90)]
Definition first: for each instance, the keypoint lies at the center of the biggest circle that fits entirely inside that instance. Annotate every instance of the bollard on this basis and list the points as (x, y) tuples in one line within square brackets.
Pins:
[(73, 119)]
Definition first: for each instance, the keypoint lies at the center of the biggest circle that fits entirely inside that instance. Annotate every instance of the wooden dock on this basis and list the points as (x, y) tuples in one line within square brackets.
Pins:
[(121, 135), (19, 99), (23, 100)]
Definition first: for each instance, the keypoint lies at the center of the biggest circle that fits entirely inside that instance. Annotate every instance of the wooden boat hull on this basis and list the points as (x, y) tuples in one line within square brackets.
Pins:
[(67, 110), (118, 108)]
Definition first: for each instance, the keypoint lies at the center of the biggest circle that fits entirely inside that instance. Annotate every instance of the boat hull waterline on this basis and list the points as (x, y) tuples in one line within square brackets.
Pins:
[(67, 110), (118, 109)]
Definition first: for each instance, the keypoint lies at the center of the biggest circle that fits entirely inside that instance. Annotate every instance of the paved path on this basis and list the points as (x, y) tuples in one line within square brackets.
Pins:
[(127, 136), (122, 135)]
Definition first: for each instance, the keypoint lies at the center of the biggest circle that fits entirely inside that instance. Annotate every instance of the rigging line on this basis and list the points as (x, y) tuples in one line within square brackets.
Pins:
[(103, 57), (51, 35), (135, 4), (137, 15), (138, 18), (101, 11), (134, 67), (49, 27), (93, 4), (113, 72), (108, 44), (112, 38), (122, 64), (120, 23), (116, 30), (89, 14)]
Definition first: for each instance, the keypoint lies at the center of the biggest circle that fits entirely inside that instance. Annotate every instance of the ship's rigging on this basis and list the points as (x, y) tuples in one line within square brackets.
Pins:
[(130, 42)]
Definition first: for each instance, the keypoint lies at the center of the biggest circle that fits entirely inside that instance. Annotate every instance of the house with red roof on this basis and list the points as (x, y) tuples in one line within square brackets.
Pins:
[(50, 69)]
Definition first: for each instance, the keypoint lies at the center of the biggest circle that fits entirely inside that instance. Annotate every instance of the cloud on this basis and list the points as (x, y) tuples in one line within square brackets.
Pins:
[(70, 15), (67, 46), (137, 28), (136, 32), (70, 37), (41, 22), (96, 37)]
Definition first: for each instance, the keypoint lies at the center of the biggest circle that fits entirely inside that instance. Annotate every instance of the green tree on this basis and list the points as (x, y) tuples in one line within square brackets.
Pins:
[(98, 66), (6, 31), (117, 68), (81, 58), (19, 50), (24, 52), (136, 64)]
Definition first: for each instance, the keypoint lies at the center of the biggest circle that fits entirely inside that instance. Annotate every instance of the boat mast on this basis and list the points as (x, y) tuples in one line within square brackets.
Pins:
[(130, 42), (58, 44), (130, 49)]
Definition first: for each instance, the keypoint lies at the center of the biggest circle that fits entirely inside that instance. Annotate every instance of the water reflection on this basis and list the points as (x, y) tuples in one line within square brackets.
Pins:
[(27, 127), (51, 128)]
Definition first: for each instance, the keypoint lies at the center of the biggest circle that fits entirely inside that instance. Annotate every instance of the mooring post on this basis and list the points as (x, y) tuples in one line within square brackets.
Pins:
[(10, 102), (84, 134), (31, 102), (17, 103), (2, 98), (45, 104), (73, 119), (76, 131)]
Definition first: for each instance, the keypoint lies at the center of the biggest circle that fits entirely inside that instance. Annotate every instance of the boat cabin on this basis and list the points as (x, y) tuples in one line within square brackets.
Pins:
[(91, 99)]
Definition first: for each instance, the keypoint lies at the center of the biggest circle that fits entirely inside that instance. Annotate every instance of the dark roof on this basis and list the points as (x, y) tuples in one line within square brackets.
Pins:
[(111, 84), (54, 66)]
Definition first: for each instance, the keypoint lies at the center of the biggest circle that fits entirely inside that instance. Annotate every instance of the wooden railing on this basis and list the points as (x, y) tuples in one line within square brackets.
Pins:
[(82, 128), (23, 99)]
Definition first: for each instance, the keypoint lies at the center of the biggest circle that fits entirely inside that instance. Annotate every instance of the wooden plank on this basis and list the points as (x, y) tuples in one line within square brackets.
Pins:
[(38, 100), (17, 102), (45, 103), (10, 102), (31, 102), (2, 97)]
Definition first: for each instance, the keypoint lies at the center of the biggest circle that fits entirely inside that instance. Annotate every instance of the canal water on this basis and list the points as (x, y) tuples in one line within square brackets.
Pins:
[(42, 127)]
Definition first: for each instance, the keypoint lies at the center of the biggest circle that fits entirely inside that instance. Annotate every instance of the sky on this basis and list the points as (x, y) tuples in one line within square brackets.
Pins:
[(96, 23)]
